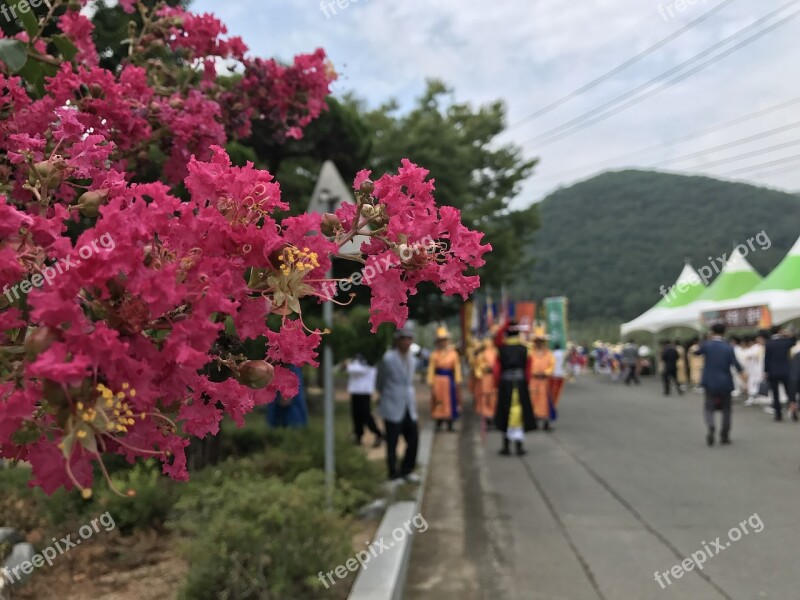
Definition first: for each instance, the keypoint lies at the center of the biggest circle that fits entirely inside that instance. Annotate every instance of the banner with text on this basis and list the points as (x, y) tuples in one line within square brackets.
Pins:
[(556, 315), (751, 317)]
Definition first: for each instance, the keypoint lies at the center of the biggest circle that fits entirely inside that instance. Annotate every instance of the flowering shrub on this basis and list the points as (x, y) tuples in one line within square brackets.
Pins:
[(122, 353)]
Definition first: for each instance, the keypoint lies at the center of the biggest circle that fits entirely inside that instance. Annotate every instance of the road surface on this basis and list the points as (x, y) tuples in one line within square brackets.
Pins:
[(624, 488)]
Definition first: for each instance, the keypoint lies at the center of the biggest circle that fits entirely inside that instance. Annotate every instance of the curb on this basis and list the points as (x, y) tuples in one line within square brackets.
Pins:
[(385, 577)]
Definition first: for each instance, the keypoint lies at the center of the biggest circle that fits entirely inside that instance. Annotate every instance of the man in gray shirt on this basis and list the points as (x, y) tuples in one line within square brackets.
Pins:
[(630, 356), (398, 405)]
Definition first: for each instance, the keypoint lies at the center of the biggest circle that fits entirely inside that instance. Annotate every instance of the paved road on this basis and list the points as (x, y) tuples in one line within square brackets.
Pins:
[(625, 487)]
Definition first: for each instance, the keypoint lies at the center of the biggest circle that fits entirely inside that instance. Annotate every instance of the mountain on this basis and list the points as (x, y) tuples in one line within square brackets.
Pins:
[(609, 243)]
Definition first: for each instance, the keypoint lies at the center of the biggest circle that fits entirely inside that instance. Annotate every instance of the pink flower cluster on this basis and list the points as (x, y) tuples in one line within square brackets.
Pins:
[(134, 350)]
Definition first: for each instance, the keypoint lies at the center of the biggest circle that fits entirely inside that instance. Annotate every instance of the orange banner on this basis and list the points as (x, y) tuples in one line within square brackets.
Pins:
[(525, 313)]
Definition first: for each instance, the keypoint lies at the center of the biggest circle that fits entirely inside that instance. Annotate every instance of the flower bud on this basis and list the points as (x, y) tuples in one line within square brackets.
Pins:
[(40, 340), (256, 374), (90, 202), (367, 187), (47, 172), (330, 224), (149, 255), (369, 211)]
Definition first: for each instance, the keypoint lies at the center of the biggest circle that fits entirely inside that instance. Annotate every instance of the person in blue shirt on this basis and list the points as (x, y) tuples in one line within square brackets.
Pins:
[(289, 412), (720, 358)]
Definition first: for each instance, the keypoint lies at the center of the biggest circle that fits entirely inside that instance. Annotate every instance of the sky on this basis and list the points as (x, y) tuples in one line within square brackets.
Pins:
[(531, 53)]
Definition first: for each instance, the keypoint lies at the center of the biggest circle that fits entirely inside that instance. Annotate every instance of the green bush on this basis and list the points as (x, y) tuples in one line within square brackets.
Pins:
[(285, 453), (251, 538), (242, 441), (26, 508), (149, 508)]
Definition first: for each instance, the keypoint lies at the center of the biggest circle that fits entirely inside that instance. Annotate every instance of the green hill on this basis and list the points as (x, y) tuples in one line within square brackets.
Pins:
[(609, 243)]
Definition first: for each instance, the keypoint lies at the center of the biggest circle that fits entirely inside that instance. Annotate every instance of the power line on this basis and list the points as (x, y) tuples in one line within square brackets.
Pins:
[(780, 161), (580, 122), (689, 136), (751, 154), (773, 172), (621, 67), (589, 118), (733, 144)]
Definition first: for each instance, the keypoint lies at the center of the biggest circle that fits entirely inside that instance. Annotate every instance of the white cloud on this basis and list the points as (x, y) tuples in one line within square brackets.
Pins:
[(532, 52)]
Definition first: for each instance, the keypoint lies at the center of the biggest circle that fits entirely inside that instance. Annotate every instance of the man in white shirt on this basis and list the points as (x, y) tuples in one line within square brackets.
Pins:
[(361, 386)]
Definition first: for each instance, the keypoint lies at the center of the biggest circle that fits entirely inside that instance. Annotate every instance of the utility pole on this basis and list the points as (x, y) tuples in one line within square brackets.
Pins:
[(330, 202), (330, 193)]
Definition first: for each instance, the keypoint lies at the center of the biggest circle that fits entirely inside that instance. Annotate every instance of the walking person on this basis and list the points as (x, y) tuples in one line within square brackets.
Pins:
[(543, 364), (794, 371), (398, 405), (514, 414), (695, 366), (776, 368), (556, 381), (669, 360), (361, 386), (444, 378), (485, 387), (630, 357), (754, 367), (739, 351), (720, 359), (683, 366)]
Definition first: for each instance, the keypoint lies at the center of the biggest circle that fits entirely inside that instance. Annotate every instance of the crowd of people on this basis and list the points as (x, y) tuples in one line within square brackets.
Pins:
[(762, 368), (515, 381), (512, 376)]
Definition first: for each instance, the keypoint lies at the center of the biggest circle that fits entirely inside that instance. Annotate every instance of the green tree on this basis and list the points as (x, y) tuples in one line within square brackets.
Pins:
[(111, 29), (339, 134)]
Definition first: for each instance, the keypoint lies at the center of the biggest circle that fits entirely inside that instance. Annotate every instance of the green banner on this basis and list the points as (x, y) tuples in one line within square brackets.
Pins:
[(556, 315)]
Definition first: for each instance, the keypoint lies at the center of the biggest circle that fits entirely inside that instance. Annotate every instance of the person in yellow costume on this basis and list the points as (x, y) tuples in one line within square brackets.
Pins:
[(543, 363), (474, 351), (444, 377), (486, 388)]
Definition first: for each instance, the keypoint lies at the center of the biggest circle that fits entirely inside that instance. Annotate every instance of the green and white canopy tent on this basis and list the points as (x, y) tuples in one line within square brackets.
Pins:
[(736, 279), (780, 290), (686, 290)]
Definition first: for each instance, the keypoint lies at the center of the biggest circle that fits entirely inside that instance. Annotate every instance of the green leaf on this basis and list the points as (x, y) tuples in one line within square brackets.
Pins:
[(65, 46), (28, 18), (34, 73), (14, 53)]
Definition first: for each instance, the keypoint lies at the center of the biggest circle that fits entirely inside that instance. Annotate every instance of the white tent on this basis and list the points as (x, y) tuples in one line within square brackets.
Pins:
[(687, 288), (737, 278), (780, 290)]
